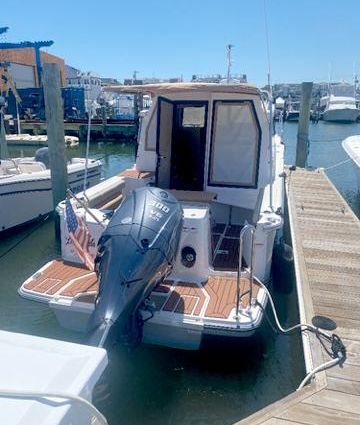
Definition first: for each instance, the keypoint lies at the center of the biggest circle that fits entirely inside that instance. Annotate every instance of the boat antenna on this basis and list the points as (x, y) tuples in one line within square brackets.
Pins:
[(270, 109), (229, 61), (329, 79), (4, 153), (354, 78)]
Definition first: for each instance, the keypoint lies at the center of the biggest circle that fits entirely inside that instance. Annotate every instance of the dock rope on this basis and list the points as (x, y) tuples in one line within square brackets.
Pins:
[(44, 394), (338, 164), (337, 350)]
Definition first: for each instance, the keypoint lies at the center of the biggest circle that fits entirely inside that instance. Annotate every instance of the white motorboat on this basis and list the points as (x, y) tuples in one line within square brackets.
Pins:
[(351, 146), (341, 109), (25, 187), (45, 381), (292, 111), (207, 147), (279, 108)]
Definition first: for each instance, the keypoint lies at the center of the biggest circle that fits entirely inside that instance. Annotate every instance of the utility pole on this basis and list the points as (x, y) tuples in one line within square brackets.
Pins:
[(55, 130), (229, 61), (135, 73), (303, 127)]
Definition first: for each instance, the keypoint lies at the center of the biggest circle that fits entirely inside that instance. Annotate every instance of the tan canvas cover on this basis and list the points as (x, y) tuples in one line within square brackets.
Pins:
[(165, 88)]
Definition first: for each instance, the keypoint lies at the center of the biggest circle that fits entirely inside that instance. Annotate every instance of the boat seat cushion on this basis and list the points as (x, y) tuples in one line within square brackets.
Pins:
[(31, 167)]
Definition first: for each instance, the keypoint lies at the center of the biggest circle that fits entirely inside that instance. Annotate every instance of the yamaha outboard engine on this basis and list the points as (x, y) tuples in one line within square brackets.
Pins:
[(135, 252), (42, 155)]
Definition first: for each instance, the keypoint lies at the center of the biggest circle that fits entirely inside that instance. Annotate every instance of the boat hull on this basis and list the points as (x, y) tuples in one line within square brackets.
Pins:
[(351, 146), (292, 116), (345, 115), (25, 199)]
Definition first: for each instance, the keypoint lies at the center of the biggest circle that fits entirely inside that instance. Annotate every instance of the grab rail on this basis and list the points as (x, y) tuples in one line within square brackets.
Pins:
[(244, 230)]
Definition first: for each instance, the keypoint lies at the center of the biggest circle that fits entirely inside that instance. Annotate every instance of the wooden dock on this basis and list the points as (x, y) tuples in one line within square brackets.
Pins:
[(326, 242), (125, 130)]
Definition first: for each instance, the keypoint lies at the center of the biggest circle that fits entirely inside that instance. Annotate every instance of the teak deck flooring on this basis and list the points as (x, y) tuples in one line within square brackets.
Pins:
[(61, 278), (326, 241), (215, 298), (225, 246)]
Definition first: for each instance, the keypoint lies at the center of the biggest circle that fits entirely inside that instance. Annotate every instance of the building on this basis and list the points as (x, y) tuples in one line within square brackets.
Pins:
[(90, 82), (23, 66), (218, 78), (153, 80), (71, 72), (109, 82)]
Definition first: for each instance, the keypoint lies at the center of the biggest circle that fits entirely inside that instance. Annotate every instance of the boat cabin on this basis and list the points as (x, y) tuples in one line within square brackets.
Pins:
[(207, 138)]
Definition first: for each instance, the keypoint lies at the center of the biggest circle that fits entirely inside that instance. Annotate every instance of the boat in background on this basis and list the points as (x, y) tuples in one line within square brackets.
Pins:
[(341, 109), (26, 188), (230, 184), (351, 146), (34, 370), (292, 111), (279, 108)]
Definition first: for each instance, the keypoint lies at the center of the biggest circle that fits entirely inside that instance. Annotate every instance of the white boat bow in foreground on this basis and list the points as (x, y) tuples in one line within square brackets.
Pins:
[(41, 366)]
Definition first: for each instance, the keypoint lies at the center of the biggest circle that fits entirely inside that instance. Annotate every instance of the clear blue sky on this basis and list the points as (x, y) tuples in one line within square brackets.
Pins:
[(165, 38)]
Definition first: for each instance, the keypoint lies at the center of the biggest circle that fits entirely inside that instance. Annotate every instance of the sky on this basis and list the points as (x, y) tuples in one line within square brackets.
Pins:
[(308, 38)]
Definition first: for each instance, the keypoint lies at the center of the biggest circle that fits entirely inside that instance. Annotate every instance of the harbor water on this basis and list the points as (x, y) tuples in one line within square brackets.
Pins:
[(219, 384)]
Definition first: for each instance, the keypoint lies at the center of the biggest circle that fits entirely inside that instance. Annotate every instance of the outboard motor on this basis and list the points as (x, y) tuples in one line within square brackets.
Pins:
[(42, 155), (135, 252)]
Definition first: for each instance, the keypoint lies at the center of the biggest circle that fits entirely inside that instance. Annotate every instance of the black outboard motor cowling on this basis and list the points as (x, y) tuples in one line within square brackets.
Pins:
[(135, 252), (42, 155)]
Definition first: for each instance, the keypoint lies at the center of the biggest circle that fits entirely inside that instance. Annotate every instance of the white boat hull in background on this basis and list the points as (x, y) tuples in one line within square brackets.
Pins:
[(351, 146), (341, 115), (26, 197)]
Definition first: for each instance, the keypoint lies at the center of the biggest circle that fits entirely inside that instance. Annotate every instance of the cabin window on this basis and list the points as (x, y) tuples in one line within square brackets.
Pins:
[(193, 116), (235, 145)]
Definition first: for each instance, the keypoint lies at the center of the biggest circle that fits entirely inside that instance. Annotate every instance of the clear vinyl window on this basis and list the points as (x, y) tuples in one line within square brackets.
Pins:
[(193, 116), (235, 145)]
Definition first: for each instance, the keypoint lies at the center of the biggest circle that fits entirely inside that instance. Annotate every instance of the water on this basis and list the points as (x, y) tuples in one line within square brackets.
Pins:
[(219, 384), (325, 150)]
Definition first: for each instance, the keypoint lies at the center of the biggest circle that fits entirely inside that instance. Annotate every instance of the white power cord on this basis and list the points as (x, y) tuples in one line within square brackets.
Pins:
[(323, 366), (44, 394), (339, 350)]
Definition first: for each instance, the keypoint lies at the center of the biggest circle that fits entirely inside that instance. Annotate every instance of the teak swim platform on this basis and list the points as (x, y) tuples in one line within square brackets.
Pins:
[(214, 298)]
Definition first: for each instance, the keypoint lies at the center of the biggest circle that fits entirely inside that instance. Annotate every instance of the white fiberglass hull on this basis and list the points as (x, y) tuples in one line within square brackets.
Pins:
[(351, 146), (26, 197), (341, 115)]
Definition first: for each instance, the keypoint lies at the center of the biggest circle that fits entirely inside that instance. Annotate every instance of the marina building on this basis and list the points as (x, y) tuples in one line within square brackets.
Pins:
[(23, 68)]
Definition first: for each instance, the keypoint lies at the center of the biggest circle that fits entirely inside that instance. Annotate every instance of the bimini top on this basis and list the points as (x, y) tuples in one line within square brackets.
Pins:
[(164, 88)]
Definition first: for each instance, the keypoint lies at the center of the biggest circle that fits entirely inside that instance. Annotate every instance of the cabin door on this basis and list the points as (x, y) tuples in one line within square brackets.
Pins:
[(188, 145), (164, 141)]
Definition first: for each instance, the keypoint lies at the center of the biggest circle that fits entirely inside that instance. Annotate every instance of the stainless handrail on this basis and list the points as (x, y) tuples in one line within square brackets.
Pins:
[(86, 208), (246, 228)]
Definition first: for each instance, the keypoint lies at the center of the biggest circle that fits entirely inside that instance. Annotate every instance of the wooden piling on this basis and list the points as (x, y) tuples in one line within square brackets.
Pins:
[(55, 130), (103, 120), (303, 128)]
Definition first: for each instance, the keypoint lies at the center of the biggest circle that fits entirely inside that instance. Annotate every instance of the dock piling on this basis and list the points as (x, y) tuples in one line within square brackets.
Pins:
[(55, 129), (303, 128)]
